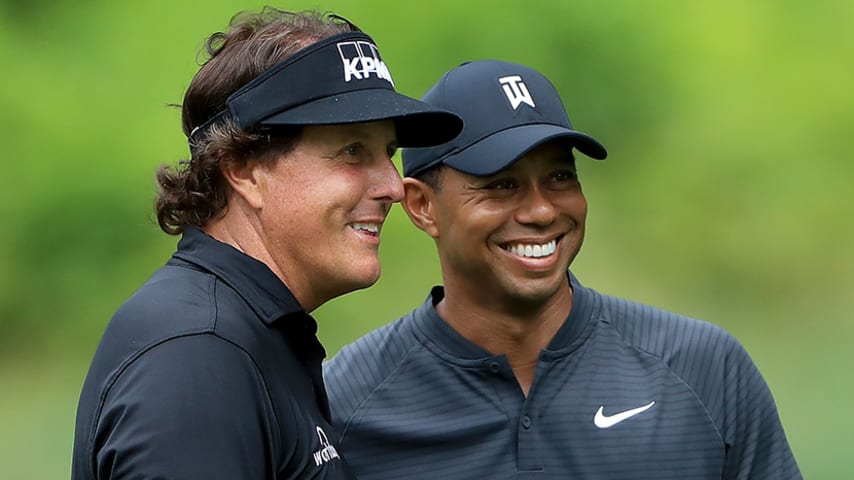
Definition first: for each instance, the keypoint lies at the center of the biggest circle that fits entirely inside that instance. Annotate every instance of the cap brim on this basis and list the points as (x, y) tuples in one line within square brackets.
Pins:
[(487, 156), (417, 123)]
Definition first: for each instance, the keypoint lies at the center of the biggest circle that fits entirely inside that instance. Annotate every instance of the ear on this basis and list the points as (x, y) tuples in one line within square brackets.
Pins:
[(419, 203), (245, 180)]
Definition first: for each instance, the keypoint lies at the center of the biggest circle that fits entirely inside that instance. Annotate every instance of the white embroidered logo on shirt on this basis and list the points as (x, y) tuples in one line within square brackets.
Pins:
[(603, 421), (327, 452)]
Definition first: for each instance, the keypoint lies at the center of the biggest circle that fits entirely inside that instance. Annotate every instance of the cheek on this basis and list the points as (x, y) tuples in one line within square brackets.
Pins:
[(284, 179), (575, 206), (290, 203), (344, 184), (475, 226), (582, 208)]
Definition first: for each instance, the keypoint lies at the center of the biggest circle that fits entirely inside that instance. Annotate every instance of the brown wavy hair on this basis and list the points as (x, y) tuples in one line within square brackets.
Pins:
[(194, 192)]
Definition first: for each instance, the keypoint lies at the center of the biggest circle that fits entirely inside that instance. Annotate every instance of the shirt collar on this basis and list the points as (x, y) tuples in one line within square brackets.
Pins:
[(570, 336), (265, 293), (576, 328)]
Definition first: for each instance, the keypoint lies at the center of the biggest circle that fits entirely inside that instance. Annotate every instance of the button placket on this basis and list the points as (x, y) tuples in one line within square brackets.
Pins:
[(527, 446)]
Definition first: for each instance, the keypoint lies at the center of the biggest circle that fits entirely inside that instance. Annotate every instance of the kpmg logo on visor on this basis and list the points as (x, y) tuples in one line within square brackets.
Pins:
[(361, 60)]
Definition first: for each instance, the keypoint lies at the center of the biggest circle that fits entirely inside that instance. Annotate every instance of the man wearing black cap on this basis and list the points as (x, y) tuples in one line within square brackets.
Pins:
[(513, 369), (212, 369)]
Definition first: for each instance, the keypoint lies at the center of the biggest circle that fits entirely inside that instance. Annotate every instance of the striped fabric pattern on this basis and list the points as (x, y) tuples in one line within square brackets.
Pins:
[(623, 391)]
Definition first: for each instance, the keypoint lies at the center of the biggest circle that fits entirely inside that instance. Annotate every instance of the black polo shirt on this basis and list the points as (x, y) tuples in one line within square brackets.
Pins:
[(210, 370)]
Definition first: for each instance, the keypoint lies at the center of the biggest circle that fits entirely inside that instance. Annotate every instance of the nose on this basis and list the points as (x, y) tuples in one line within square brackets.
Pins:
[(387, 184), (536, 208)]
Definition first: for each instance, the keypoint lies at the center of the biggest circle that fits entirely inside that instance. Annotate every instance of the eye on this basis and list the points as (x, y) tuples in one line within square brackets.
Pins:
[(503, 184), (565, 176), (353, 149)]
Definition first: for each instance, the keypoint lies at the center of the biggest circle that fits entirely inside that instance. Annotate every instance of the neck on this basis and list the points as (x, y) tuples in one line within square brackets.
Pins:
[(518, 333), (238, 229)]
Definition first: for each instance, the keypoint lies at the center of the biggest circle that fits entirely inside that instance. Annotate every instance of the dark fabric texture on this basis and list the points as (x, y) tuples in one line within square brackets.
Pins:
[(211, 370), (416, 400)]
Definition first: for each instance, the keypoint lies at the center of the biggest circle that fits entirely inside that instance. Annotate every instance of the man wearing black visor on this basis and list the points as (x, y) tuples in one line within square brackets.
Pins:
[(212, 369)]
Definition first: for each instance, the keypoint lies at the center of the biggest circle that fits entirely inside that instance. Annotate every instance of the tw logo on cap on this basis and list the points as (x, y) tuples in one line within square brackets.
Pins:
[(361, 59), (516, 91)]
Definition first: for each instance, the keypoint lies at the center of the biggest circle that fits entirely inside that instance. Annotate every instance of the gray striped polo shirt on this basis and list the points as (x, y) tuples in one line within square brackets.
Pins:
[(623, 391)]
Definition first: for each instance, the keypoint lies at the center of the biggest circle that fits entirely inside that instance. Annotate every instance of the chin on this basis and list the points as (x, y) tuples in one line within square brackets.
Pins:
[(363, 276), (539, 291)]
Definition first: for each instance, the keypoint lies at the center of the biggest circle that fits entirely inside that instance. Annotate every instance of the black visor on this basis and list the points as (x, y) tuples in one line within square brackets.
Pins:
[(339, 80)]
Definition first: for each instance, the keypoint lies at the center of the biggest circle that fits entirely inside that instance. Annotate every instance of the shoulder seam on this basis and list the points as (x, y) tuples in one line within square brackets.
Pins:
[(178, 336), (127, 365), (403, 360), (676, 375)]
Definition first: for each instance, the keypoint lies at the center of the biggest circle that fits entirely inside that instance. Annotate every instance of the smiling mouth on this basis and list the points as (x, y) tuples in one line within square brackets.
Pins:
[(372, 229), (533, 250)]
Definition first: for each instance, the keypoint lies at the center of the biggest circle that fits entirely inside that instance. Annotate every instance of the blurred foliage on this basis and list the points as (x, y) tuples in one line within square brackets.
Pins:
[(726, 194)]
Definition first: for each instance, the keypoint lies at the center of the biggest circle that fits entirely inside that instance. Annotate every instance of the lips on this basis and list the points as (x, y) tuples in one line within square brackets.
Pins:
[(369, 228)]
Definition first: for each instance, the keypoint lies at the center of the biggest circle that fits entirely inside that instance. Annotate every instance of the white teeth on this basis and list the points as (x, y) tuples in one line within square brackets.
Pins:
[(368, 227), (535, 251)]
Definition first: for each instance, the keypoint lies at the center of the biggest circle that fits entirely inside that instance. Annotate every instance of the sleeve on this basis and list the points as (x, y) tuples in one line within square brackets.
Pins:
[(756, 443), (194, 407), (345, 387), (354, 373)]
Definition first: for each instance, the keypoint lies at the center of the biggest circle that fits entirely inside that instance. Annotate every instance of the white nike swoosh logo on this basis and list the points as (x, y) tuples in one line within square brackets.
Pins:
[(603, 421)]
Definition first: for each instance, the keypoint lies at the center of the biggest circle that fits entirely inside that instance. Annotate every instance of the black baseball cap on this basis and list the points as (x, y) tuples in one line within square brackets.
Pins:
[(508, 110), (339, 80)]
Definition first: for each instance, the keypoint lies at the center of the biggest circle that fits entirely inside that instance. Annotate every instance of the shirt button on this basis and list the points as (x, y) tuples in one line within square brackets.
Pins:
[(526, 422), (494, 367)]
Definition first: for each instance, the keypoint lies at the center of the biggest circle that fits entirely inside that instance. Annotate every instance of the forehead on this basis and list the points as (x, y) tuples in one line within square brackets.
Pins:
[(380, 131), (547, 155)]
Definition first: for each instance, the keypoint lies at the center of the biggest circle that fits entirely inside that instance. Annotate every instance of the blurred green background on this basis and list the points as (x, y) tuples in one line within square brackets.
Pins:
[(726, 195)]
